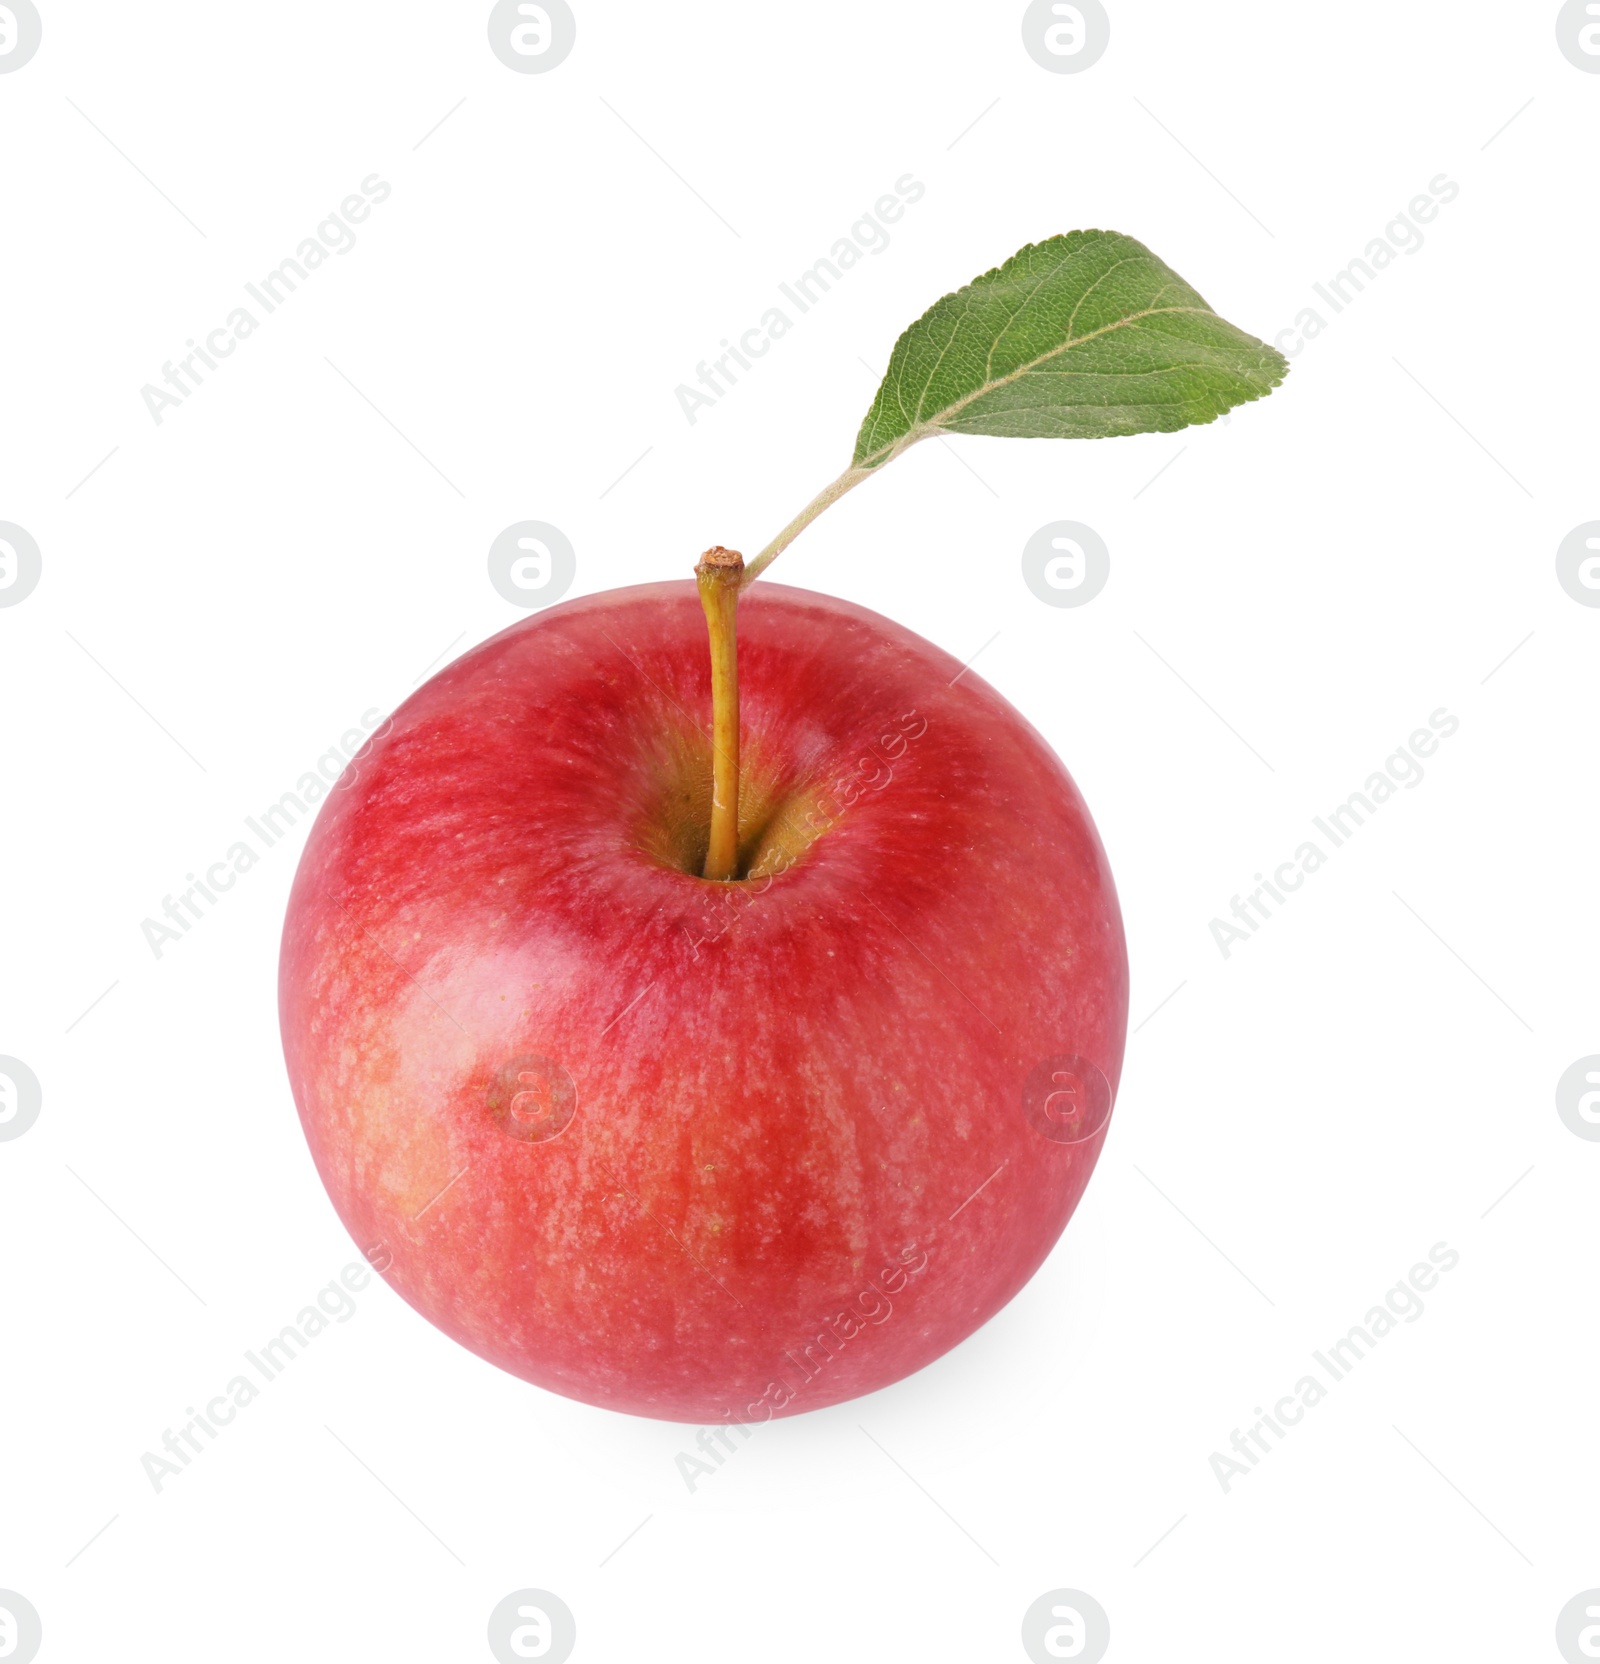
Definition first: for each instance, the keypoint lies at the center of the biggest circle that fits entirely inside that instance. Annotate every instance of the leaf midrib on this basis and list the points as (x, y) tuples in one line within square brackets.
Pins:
[(923, 429)]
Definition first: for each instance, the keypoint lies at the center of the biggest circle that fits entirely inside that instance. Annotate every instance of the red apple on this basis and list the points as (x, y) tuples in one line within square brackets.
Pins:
[(688, 1149)]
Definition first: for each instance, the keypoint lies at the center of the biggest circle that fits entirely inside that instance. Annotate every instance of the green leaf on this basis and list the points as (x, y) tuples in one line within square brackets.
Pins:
[(1085, 336)]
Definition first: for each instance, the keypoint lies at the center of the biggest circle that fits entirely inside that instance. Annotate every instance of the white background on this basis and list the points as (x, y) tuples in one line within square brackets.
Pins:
[(1301, 586)]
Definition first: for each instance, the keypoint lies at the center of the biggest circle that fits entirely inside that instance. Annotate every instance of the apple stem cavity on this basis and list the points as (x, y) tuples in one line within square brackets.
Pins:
[(719, 573)]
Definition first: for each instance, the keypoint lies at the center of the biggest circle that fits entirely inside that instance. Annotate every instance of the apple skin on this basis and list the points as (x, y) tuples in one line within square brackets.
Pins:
[(773, 1101)]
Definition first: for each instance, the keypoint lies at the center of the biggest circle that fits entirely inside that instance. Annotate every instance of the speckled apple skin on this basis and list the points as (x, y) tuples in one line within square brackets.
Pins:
[(764, 1201)]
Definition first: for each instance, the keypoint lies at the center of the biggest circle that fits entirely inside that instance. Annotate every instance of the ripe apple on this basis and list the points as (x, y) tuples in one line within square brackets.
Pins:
[(694, 1149), (723, 1073)]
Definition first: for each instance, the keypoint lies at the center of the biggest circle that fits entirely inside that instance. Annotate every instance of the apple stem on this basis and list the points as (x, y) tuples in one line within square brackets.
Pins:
[(718, 573), (847, 481)]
